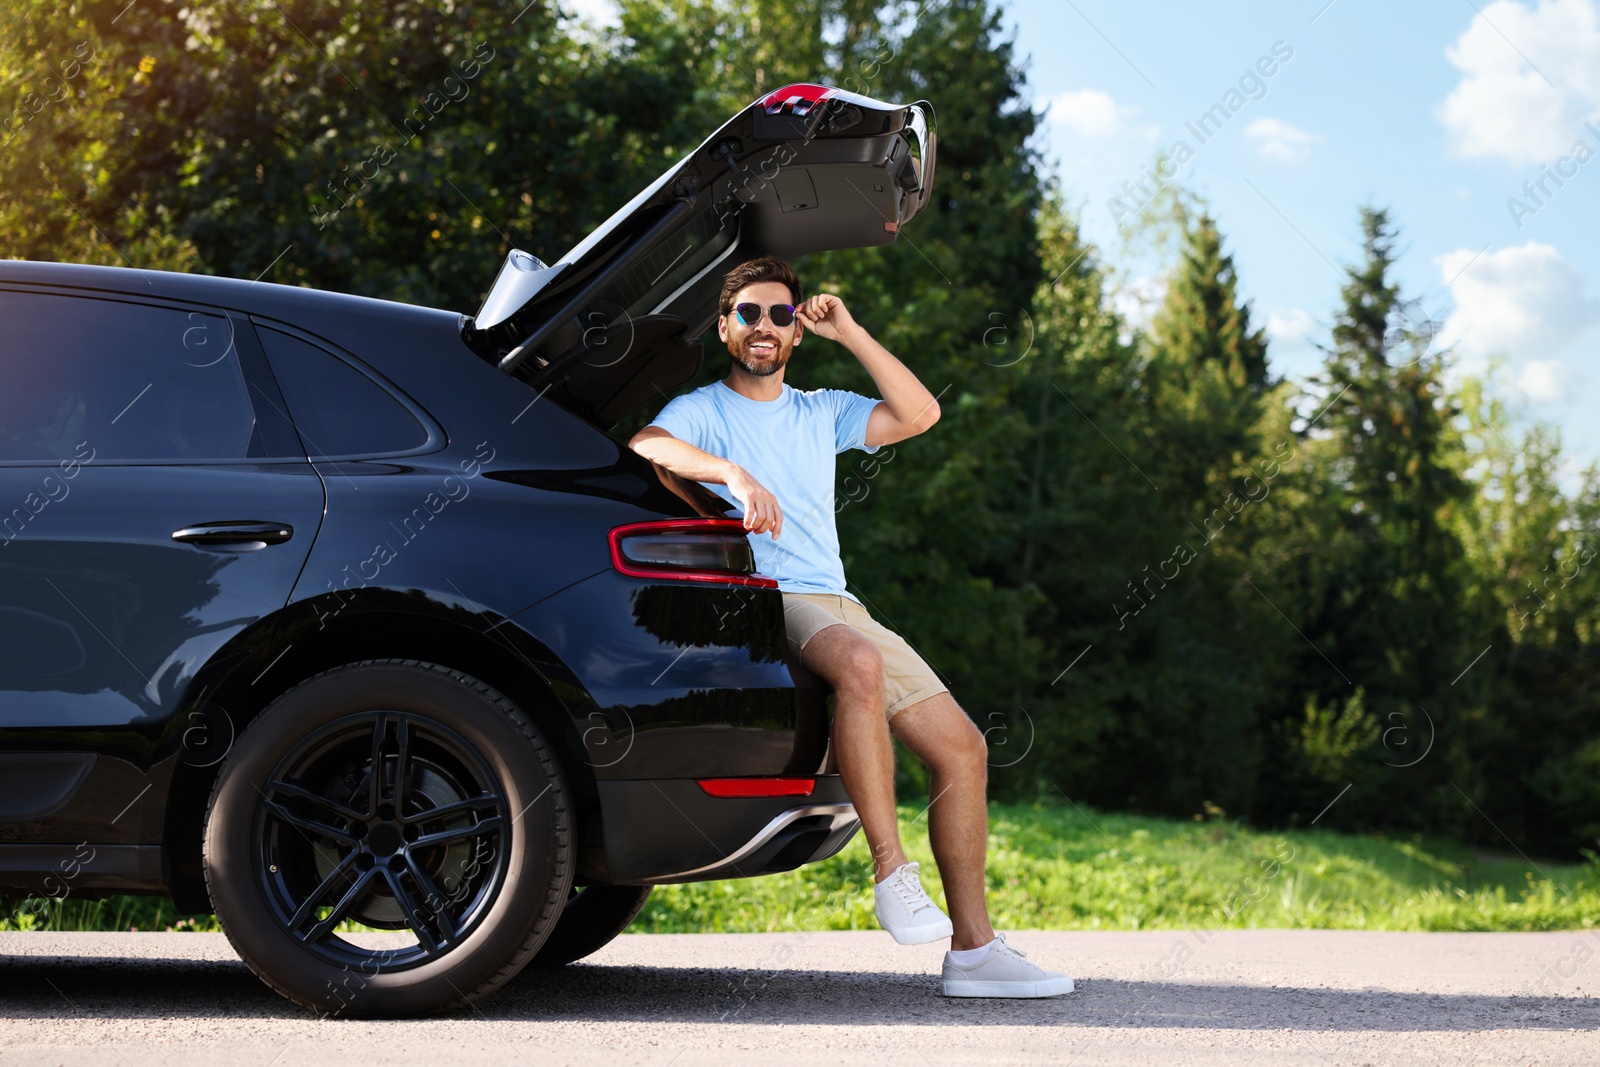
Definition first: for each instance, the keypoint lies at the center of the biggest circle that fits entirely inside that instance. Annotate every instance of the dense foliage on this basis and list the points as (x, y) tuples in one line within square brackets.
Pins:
[(1160, 579)]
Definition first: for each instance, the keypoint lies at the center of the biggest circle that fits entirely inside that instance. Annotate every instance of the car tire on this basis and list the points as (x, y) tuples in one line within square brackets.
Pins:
[(592, 919), (462, 839)]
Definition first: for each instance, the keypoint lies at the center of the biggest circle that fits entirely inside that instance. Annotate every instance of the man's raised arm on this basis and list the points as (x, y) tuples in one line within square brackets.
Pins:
[(761, 511), (907, 408)]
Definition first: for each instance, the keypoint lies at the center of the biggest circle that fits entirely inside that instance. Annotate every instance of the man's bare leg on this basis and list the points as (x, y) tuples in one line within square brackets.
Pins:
[(861, 742), (944, 738)]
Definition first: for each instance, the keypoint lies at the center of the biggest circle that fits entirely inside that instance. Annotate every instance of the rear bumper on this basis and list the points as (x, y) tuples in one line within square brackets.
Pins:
[(668, 830)]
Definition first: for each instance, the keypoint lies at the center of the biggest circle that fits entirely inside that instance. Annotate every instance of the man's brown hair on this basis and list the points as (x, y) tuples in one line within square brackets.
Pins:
[(755, 271)]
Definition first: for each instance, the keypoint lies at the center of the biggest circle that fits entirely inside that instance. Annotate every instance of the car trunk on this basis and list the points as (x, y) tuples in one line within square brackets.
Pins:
[(615, 322)]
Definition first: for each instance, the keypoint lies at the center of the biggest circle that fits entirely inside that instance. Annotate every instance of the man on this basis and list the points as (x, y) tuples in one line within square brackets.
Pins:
[(770, 448)]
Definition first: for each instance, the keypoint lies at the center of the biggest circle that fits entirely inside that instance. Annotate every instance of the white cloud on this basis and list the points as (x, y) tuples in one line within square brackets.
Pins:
[(1527, 303), (1547, 381), (1280, 140), (1292, 327), (1091, 113), (1530, 77)]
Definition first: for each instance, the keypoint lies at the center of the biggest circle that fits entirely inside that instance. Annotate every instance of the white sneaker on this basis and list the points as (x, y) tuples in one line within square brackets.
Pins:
[(906, 911), (1002, 973)]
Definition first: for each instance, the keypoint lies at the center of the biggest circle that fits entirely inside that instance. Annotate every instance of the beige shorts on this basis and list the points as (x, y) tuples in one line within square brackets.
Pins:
[(907, 678)]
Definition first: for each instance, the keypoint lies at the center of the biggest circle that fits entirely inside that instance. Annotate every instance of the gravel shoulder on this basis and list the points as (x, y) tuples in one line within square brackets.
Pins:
[(1200, 997)]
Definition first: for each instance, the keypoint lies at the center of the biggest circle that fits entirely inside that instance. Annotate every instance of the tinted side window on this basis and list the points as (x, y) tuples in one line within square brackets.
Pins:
[(132, 382), (338, 410)]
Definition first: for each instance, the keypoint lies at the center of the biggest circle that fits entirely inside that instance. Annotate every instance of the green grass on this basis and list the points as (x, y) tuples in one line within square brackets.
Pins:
[(1062, 868), (112, 913), (1059, 868)]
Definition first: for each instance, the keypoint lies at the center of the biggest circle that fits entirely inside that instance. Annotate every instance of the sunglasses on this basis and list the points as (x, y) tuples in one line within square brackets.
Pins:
[(750, 314)]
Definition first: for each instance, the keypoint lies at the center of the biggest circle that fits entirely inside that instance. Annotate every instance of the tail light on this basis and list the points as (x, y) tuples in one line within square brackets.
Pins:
[(757, 787), (695, 550)]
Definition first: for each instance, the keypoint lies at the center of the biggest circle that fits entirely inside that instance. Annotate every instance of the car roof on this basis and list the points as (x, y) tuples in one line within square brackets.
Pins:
[(340, 317)]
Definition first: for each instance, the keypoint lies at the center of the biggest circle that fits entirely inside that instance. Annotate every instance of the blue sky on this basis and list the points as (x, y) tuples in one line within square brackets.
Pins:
[(1438, 111)]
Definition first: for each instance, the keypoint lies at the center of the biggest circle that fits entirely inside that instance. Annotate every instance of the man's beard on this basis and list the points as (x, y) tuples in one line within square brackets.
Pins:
[(759, 366)]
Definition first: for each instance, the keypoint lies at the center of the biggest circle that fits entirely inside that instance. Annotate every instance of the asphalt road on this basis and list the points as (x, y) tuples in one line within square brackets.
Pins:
[(1165, 997)]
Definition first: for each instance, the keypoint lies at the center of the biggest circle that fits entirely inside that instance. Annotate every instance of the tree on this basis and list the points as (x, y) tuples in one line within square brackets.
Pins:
[(1534, 555), (1154, 451), (1383, 605), (1208, 367), (82, 131), (397, 156)]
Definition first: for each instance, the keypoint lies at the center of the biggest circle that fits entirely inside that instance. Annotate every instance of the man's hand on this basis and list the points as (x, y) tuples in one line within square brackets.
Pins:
[(761, 511), (826, 316)]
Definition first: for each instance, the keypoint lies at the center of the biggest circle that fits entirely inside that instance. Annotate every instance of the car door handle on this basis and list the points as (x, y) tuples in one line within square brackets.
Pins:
[(234, 536)]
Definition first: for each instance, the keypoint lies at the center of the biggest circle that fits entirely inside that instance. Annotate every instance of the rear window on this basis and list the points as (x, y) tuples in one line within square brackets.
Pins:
[(338, 410)]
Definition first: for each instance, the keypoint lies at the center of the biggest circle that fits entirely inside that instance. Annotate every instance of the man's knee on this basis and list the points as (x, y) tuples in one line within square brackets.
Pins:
[(973, 752), (963, 750), (860, 668), (977, 748)]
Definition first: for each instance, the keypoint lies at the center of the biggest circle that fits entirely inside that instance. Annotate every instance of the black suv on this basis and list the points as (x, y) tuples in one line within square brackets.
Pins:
[(319, 611)]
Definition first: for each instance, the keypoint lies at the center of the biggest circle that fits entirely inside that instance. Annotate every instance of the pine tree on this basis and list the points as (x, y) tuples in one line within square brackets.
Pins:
[(1142, 441), (1205, 391), (1384, 604), (1207, 370), (1202, 321)]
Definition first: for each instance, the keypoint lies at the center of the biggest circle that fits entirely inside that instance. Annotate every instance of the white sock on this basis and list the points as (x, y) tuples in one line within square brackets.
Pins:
[(966, 957)]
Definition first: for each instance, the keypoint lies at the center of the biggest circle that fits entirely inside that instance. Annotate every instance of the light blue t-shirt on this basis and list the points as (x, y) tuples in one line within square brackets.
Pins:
[(788, 445)]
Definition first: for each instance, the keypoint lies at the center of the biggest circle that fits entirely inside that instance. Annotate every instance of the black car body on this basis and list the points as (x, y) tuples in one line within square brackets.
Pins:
[(214, 490)]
